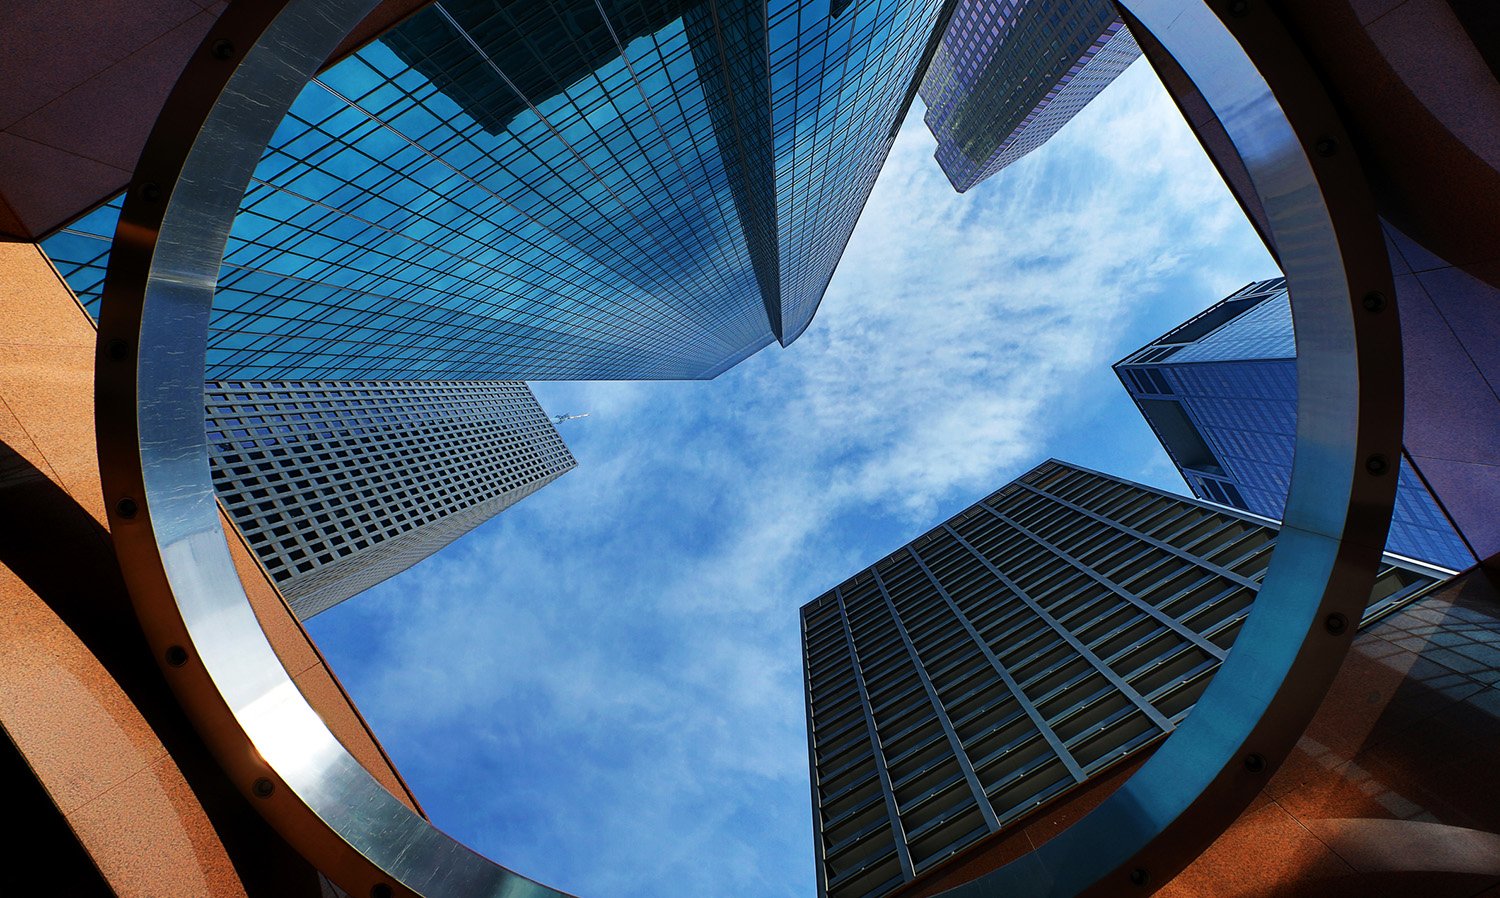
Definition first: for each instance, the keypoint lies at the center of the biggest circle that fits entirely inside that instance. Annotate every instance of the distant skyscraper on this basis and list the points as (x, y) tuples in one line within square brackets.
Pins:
[(498, 190), (1220, 391), (340, 485), (1010, 73), (1023, 646)]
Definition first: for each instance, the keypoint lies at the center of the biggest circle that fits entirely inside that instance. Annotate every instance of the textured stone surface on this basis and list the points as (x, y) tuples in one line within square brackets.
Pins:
[(81, 698)]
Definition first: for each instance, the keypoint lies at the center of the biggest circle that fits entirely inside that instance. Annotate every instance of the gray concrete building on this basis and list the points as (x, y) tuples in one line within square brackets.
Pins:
[(338, 485)]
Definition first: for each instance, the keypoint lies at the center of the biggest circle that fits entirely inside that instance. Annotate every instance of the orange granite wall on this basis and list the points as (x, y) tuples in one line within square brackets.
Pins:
[(1393, 790), (82, 703)]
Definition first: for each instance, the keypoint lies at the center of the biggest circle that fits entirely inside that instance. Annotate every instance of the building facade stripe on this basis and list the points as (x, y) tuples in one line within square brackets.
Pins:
[(964, 764), (1005, 675), (1183, 630)]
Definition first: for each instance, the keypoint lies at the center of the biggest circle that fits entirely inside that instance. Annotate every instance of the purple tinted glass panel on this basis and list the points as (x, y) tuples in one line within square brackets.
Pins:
[(1010, 73)]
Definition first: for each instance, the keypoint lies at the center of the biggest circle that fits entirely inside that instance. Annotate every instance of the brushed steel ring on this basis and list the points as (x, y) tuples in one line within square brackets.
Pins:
[(153, 451)]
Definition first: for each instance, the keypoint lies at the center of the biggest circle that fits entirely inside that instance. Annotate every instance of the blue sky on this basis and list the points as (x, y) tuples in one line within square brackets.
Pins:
[(601, 687)]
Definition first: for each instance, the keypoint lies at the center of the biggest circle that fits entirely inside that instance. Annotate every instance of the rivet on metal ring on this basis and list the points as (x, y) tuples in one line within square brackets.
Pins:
[(1239, 8), (222, 49), (150, 191), (1377, 465), (1139, 876), (117, 349), (380, 890), (263, 788), (1254, 763), (176, 656), (1374, 301), (1326, 146), (126, 508), (1336, 623)]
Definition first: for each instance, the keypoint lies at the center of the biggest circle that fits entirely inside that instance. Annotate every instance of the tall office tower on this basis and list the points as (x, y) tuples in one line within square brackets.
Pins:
[(1008, 655), (337, 486), (1010, 73), (1220, 391), (498, 190), (505, 190)]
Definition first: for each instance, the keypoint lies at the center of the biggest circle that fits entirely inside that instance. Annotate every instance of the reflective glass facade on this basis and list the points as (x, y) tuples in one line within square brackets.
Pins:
[(1220, 391), (1010, 73), (338, 486), (842, 78), (1029, 643), (507, 189)]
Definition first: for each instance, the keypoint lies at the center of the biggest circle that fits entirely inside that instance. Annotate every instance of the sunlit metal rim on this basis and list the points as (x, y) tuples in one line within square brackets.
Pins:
[(163, 515), (1323, 221), (154, 462)]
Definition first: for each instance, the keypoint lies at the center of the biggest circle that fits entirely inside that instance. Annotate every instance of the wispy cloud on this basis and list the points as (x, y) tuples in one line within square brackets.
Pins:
[(602, 687)]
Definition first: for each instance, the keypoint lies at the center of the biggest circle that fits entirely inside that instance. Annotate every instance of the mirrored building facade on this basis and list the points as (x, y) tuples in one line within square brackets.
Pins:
[(1220, 392), (337, 486), (1010, 73), (503, 189), (1030, 643)]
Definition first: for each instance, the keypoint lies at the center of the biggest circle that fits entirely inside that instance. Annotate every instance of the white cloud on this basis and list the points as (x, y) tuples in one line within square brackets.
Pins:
[(602, 687)]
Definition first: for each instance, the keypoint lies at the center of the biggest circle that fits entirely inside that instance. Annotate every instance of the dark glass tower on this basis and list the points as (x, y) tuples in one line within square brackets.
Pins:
[(337, 486), (1025, 645), (506, 189), (1220, 391), (1010, 73)]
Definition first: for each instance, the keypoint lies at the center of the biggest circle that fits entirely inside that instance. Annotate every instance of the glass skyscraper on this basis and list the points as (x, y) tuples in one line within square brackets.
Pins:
[(507, 190), (1220, 391), (1024, 646), (337, 486), (1010, 73)]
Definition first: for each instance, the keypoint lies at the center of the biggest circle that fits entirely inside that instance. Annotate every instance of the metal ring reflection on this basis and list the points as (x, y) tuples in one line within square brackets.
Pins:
[(154, 460), (1322, 218)]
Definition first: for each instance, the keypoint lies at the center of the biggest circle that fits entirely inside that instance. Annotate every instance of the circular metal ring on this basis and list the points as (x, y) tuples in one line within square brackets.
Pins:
[(1323, 221), (153, 452)]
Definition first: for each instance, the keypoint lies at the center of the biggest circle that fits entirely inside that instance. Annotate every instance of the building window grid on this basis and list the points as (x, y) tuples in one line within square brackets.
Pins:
[(318, 474), (1237, 383), (1209, 579), (593, 234), (990, 102)]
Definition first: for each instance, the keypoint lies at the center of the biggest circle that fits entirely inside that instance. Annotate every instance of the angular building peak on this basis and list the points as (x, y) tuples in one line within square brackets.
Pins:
[(510, 190), (1220, 392), (1010, 73)]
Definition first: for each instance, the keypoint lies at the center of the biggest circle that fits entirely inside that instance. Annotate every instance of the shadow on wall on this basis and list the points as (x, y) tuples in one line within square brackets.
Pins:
[(1392, 791), (54, 550)]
